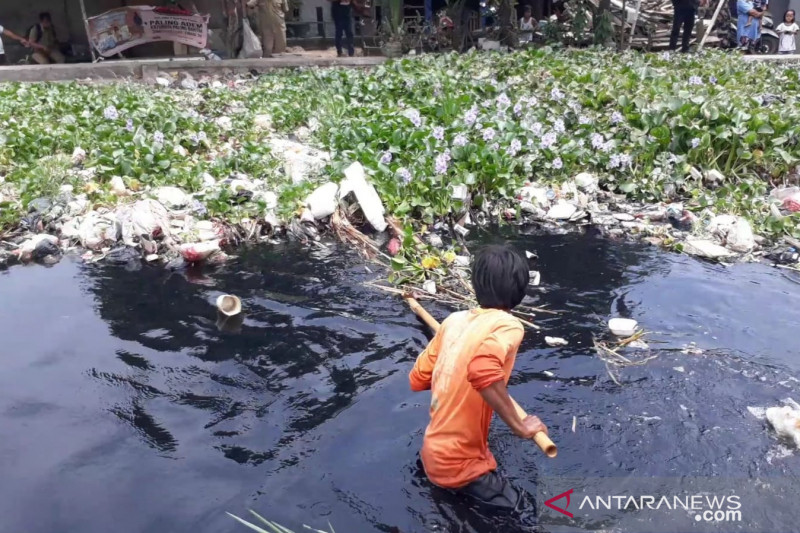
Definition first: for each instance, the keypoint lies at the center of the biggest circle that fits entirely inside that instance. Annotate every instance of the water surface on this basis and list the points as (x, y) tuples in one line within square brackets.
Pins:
[(124, 407)]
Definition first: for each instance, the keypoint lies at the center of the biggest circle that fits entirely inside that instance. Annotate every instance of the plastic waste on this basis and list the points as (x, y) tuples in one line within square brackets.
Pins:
[(299, 161), (535, 277), (459, 192), (461, 230), (188, 82), (118, 186), (622, 327), (734, 232), (198, 251), (224, 123), (461, 261), (322, 202), (78, 156), (786, 422), (435, 240), (537, 196), (792, 203), (263, 122), (172, 197), (98, 229), (587, 182), (705, 248), (429, 286), (366, 195), (144, 218), (251, 44), (555, 341), (229, 305), (562, 211), (714, 177), (27, 247)]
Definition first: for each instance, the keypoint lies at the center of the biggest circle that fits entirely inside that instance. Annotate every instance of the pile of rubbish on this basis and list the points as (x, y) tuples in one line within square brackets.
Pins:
[(170, 226), (706, 234)]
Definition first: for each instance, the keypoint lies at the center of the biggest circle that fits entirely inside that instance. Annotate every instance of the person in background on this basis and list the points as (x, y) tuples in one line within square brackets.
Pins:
[(342, 13), (42, 37), (788, 32), (748, 36), (11, 35), (272, 23), (685, 13), (466, 367), (526, 25), (760, 6)]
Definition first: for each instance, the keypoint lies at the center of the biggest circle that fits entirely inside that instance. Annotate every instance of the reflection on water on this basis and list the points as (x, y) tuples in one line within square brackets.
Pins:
[(132, 407)]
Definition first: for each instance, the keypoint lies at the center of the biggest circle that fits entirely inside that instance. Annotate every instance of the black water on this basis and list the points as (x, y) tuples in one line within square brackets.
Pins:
[(124, 408)]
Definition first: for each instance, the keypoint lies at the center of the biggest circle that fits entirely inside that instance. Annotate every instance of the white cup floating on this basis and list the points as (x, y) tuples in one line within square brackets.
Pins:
[(229, 305)]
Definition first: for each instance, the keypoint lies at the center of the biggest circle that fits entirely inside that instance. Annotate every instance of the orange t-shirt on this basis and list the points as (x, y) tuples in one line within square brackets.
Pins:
[(472, 350)]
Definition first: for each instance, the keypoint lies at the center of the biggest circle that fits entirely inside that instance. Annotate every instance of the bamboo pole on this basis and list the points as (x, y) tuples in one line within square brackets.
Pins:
[(88, 34), (711, 26), (541, 439)]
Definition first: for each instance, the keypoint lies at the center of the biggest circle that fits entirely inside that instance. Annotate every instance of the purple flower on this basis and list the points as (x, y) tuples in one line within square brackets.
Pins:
[(158, 137), (518, 108), (616, 117), (515, 147), (471, 116), (202, 136), (386, 158), (574, 105), (503, 101), (194, 138), (404, 175), (548, 140), (536, 128), (441, 162), (460, 140), (438, 133), (695, 80), (557, 163), (583, 119), (665, 56), (129, 125), (556, 95), (488, 134), (625, 160), (597, 141), (614, 161), (558, 126), (486, 103), (495, 146), (712, 80), (414, 116), (608, 145), (111, 113), (695, 142)]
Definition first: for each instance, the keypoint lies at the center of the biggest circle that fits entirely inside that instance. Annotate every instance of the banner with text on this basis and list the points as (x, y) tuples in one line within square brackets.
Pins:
[(120, 29)]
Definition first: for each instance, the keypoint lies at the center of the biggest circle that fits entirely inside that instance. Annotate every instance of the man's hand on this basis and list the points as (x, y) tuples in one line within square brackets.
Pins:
[(531, 426)]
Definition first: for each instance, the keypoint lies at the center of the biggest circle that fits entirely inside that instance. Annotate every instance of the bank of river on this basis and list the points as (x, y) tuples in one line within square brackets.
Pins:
[(124, 408)]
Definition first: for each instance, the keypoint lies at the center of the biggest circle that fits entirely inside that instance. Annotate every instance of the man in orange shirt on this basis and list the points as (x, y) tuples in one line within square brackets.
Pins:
[(466, 366)]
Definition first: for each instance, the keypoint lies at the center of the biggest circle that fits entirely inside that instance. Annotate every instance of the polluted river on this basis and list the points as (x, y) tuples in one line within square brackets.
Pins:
[(127, 406)]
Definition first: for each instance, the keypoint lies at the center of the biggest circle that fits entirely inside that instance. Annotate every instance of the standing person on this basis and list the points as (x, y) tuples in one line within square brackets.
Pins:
[(273, 30), (11, 35), (342, 13), (467, 366), (685, 13), (787, 30), (748, 36), (526, 25), (44, 35)]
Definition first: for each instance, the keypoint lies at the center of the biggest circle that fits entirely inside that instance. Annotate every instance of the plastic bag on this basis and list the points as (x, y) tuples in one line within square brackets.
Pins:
[(251, 45)]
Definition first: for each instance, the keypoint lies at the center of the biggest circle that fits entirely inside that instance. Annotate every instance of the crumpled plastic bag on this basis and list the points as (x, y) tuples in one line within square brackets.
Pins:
[(734, 231), (251, 44), (145, 217), (98, 229)]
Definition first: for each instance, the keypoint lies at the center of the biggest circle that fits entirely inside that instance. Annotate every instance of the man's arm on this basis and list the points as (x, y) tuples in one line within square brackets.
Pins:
[(11, 35), (421, 374), (496, 395)]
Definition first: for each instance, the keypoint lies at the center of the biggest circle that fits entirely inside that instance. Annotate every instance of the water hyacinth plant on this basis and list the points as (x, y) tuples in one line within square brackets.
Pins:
[(491, 122)]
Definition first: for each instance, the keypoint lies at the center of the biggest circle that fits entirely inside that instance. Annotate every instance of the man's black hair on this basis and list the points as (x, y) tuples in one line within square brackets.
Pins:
[(45, 16), (499, 277)]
